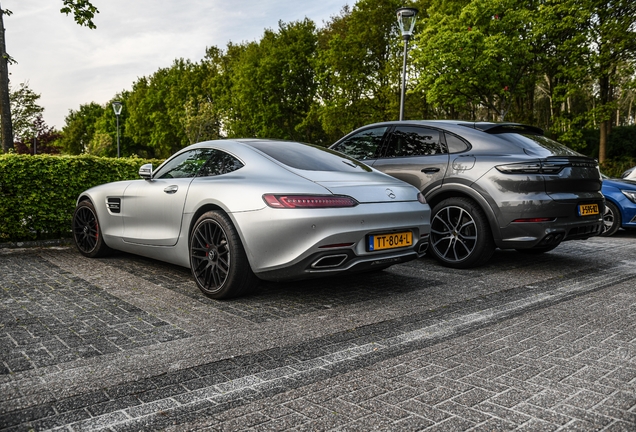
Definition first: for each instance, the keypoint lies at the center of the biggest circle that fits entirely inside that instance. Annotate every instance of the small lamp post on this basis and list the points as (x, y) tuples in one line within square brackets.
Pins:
[(406, 21), (117, 109)]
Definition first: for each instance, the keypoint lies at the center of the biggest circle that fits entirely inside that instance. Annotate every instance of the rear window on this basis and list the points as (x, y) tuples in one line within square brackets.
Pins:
[(539, 144), (308, 157)]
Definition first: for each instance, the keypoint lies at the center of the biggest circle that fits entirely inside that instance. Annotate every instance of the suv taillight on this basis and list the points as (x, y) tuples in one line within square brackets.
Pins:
[(532, 167)]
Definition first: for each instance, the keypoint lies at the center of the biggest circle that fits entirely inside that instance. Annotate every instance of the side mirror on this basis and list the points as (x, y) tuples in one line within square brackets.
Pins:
[(145, 171)]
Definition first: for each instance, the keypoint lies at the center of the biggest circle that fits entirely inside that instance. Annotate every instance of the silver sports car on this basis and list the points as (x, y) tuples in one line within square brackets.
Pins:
[(236, 211)]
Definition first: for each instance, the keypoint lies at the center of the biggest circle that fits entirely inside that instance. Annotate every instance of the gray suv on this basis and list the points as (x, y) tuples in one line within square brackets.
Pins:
[(490, 185)]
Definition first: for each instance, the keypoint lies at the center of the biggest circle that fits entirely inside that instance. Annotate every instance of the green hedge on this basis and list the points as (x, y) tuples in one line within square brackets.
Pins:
[(38, 193), (615, 167)]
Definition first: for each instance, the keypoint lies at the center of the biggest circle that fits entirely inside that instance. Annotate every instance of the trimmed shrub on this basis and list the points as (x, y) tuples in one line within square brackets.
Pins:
[(615, 167), (38, 193)]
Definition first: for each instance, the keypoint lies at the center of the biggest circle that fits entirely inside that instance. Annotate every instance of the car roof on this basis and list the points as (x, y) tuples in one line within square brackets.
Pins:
[(488, 127)]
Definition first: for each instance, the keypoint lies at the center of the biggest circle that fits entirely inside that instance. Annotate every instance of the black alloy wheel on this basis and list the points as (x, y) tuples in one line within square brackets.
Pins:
[(460, 234), (87, 233), (217, 258), (611, 220)]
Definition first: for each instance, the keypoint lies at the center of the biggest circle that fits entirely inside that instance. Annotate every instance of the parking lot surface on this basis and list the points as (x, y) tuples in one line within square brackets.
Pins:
[(528, 342)]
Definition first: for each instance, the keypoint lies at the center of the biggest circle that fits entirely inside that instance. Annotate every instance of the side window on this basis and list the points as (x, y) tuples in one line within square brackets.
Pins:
[(363, 145), (455, 144), (185, 165), (220, 163), (414, 141)]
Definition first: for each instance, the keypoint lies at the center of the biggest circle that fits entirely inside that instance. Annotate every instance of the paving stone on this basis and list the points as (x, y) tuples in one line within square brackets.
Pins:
[(542, 344)]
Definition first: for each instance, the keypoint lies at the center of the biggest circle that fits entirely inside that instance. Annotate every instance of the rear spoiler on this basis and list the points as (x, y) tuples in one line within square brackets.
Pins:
[(496, 128)]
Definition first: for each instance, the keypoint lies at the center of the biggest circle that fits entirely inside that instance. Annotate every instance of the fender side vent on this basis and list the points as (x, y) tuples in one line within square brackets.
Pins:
[(114, 205)]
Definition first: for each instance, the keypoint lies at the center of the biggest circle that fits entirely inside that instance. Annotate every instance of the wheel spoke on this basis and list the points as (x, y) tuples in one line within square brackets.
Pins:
[(453, 233), (85, 229), (210, 255)]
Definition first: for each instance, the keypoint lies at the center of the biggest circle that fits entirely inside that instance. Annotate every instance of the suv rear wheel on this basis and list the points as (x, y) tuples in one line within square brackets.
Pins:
[(460, 234)]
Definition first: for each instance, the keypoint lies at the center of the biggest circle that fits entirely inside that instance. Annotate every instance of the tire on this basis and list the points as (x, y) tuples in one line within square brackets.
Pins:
[(611, 219), (86, 231), (539, 249), (460, 234), (217, 258)]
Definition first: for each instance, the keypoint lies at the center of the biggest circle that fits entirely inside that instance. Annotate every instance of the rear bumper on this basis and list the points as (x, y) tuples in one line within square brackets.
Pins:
[(344, 261), (548, 233), (282, 241), (567, 225)]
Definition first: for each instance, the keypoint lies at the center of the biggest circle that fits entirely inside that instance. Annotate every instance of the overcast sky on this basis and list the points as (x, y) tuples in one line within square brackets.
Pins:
[(71, 65)]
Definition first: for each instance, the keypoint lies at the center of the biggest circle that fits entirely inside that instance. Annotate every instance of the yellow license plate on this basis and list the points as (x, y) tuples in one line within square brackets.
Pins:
[(390, 241), (588, 209)]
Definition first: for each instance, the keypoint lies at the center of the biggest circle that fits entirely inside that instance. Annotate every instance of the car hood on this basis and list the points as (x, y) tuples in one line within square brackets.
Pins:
[(623, 184)]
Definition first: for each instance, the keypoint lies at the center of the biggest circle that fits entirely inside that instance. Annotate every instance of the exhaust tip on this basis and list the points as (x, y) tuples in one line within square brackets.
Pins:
[(329, 261), (422, 248)]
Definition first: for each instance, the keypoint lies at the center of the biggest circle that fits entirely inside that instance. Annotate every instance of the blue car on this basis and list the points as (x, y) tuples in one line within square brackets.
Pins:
[(620, 205)]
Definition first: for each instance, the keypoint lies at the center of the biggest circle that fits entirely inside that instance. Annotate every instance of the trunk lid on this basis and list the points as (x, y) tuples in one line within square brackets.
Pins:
[(371, 187)]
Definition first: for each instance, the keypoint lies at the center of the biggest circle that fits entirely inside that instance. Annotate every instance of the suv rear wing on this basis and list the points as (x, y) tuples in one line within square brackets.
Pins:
[(497, 128)]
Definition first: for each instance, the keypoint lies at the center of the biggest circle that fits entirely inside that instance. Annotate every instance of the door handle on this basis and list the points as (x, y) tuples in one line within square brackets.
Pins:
[(171, 189), (430, 170)]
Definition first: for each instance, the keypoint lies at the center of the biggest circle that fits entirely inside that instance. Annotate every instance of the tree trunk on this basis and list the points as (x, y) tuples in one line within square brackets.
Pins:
[(605, 122), (6, 127), (603, 141)]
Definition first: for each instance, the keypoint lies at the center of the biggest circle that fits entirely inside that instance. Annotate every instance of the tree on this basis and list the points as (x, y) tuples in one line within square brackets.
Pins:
[(43, 139), (478, 53), (24, 111), (272, 85), (83, 13), (612, 39), (156, 107), (79, 128), (359, 67)]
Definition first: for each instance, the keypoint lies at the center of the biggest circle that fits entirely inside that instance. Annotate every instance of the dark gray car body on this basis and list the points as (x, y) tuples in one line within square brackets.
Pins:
[(462, 161)]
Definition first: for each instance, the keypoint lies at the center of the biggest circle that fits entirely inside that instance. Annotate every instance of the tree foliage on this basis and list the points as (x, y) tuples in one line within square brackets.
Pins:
[(83, 12), (24, 110), (563, 65)]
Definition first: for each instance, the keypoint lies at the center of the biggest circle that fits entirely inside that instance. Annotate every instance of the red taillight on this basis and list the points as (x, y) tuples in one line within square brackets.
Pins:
[(309, 201), (544, 219)]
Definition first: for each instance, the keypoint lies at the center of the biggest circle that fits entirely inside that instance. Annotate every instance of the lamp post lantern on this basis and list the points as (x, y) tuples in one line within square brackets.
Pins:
[(117, 109), (406, 21)]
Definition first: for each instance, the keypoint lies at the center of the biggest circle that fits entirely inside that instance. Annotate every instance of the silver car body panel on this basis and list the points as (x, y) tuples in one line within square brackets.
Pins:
[(154, 217)]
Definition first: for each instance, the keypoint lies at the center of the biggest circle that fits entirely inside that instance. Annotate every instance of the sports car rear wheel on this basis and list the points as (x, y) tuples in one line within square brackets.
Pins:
[(87, 233), (217, 258), (460, 234), (611, 219)]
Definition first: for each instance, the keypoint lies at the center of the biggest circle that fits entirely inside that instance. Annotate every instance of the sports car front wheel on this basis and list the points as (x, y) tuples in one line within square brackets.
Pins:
[(460, 234), (87, 233), (217, 258)]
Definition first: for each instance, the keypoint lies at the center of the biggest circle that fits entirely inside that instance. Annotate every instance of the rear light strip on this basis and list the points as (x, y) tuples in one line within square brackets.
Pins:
[(309, 201), (533, 167)]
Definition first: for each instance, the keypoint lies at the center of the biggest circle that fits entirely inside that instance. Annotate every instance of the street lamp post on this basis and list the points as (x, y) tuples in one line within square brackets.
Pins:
[(117, 109), (406, 21)]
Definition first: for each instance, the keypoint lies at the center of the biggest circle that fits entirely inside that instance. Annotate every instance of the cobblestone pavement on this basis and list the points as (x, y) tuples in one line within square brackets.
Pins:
[(528, 342)]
